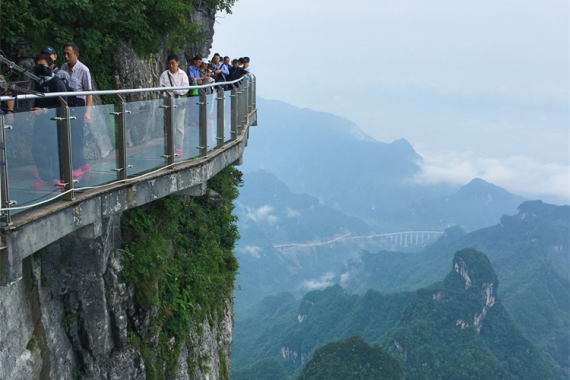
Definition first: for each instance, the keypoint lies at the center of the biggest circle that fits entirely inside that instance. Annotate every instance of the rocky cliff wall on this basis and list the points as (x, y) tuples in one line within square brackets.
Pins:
[(73, 317), (132, 71)]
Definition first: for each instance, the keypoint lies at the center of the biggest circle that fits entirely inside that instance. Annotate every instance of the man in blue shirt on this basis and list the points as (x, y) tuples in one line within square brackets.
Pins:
[(194, 71)]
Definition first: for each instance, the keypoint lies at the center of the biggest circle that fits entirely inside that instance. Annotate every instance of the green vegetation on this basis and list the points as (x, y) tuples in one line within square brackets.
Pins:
[(98, 27), (299, 327), (178, 254), (352, 359), (531, 256), (458, 330), (455, 329)]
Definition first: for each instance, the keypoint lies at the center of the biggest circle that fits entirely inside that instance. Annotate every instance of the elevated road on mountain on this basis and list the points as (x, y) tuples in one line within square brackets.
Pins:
[(403, 238)]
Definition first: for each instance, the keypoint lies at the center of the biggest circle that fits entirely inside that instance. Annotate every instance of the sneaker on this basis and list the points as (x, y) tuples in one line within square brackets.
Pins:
[(77, 172), (58, 183), (39, 184), (86, 168), (179, 154), (86, 171)]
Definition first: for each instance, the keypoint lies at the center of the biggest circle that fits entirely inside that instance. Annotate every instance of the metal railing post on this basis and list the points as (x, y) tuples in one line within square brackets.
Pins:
[(122, 138), (4, 194), (254, 92), (234, 112), (203, 115), (245, 105), (220, 117), (64, 139), (169, 127), (240, 109), (250, 92)]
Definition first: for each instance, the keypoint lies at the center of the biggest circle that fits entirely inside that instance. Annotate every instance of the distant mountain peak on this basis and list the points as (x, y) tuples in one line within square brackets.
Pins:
[(485, 191), (471, 270)]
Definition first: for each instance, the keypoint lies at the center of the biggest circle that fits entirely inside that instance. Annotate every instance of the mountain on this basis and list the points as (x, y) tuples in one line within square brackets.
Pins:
[(530, 252), (289, 330), (352, 359), (329, 158), (477, 204), (301, 243), (458, 329), (290, 242), (455, 329)]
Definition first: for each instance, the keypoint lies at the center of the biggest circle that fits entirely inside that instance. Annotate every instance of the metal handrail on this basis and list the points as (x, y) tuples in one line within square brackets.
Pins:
[(241, 107), (119, 92)]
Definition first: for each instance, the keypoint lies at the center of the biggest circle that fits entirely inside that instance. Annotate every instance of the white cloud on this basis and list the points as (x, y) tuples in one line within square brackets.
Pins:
[(291, 213), (518, 174), (262, 214), (252, 250), (344, 278), (318, 284)]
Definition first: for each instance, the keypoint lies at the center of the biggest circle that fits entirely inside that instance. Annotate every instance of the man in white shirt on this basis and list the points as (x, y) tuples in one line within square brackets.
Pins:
[(174, 77)]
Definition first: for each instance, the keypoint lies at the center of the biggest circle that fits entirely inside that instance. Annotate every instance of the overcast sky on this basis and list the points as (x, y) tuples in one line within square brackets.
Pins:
[(479, 88)]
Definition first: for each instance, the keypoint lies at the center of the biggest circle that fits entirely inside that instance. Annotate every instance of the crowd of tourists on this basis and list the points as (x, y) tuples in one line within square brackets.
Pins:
[(203, 71), (75, 76), (200, 72)]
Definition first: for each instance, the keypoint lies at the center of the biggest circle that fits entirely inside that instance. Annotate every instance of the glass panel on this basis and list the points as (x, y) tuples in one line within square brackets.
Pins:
[(243, 107), (212, 116), (33, 157), (146, 144), (93, 146), (227, 116), (188, 131)]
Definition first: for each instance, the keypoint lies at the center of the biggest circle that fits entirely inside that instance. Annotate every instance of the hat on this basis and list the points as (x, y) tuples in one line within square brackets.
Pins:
[(48, 49), (204, 60)]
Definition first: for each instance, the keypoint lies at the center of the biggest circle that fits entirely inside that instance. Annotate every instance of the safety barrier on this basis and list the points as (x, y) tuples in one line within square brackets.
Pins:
[(42, 160)]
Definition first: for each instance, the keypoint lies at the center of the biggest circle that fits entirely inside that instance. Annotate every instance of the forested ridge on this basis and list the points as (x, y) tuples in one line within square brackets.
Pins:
[(454, 329)]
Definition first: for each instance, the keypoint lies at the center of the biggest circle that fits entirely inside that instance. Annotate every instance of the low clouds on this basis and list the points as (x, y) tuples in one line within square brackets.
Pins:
[(291, 213), (319, 284), (262, 214), (251, 250), (518, 174)]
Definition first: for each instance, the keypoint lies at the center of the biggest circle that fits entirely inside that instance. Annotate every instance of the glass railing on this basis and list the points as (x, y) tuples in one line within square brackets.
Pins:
[(227, 116), (93, 150), (32, 152), (145, 136), (187, 128), (50, 154)]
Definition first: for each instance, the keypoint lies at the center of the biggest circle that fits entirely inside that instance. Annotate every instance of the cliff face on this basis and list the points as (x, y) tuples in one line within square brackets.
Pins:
[(71, 318), (473, 331), (132, 71), (77, 314)]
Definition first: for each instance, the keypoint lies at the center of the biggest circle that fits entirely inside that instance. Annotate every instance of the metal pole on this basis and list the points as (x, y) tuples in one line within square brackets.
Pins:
[(254, 92), (234, 112), (250, 100), (4, 194), (203, 103), (122, 139), (169, 127), (220, 118), (246, 95), (64, 136), (240, 108)]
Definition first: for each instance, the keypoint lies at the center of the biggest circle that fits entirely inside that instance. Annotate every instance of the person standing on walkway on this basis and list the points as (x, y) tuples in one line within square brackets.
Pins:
[(45, 144), (80, 80), (174, 77)]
